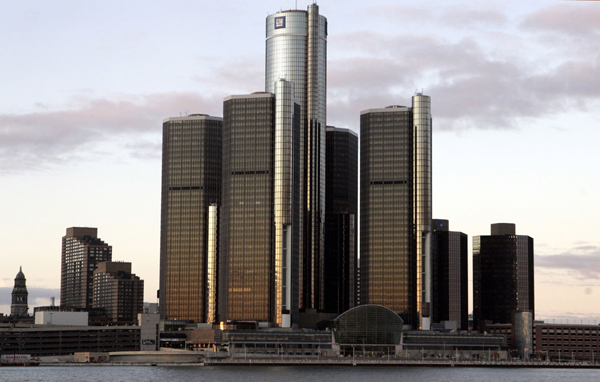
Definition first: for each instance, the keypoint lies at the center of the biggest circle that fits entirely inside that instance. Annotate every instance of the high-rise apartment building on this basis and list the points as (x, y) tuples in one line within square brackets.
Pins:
[(191, 183), (259, 228), (449, 277), (18, 306), (82, 250), (296, 50), (395, 209), (341, 220), (502, 275), (118, 292)]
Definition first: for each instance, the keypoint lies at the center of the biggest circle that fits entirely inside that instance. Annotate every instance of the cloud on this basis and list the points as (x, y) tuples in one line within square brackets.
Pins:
[(464, 17), (476, 79), (244, 75), (458, 17), (582, 262), (48, 137), (36, 295), (145, 149), (571, 18), (471, 84), (574, 80)]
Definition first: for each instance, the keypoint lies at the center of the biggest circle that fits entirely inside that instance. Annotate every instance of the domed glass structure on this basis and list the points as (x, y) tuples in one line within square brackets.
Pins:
[(368, 324)]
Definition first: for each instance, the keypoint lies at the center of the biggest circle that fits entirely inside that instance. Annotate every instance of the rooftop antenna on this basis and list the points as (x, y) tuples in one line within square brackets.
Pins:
[(296, 4)]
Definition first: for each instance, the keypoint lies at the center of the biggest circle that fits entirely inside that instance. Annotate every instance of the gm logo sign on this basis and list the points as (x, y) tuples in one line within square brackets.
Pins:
[(280, 22)]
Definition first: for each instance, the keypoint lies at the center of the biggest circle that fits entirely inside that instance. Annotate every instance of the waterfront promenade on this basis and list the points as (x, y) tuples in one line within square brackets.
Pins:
[(392, 362), (348, 361)]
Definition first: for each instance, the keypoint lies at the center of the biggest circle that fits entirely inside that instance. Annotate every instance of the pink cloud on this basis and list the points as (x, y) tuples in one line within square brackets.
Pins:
[(52, 136)]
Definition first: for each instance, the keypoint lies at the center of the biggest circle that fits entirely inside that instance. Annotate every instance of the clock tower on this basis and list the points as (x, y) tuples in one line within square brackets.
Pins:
[(19, 305)]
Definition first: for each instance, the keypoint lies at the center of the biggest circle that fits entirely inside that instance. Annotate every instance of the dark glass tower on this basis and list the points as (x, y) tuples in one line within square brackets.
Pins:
[(296, 50), (191, 182), (82, 250), (502, 275), (449, 278), (396, 209), (259, 258), (341, 213)]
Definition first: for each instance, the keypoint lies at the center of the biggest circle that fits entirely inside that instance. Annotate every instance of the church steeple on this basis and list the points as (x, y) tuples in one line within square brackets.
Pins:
[(19, 305)]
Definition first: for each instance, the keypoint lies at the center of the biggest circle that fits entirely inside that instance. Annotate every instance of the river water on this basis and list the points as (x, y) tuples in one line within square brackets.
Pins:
[(289, 374)]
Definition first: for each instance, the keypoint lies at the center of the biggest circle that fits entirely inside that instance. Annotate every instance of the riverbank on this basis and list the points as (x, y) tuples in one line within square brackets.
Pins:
[(368, 362)]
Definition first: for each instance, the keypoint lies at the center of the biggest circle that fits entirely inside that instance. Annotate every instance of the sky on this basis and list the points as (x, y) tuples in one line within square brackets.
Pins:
[(515, 93)]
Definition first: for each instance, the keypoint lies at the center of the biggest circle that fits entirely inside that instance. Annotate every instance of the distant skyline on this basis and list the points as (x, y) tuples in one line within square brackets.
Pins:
[(515, 91)]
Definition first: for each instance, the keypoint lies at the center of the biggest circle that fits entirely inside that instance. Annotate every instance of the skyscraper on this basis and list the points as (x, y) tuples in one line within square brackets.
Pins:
[(82, 250), (18, 306), (258, 260), (118, 292), (191, 183), (296, 50), (341, 225), (502, 275), (396, 209), (449, 278)]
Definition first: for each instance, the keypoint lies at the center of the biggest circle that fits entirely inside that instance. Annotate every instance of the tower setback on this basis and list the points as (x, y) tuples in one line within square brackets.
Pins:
[(119, 292), (82, 250)]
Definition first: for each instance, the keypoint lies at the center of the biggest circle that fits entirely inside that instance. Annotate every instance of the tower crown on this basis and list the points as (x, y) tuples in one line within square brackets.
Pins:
[(20, 275)]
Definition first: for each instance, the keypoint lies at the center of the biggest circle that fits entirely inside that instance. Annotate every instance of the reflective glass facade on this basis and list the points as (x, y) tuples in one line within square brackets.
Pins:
[(421, 107), (502, 277), (396, 209), (258, 262), (212, 265), (191, 182), (449, 278), (296, 50), (341, 229), (82, 250)]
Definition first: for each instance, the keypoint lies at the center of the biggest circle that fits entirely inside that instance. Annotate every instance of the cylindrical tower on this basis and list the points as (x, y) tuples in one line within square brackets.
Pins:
[(421, 107), (296, 50), (211, 263), (284, 118)]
